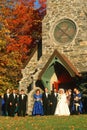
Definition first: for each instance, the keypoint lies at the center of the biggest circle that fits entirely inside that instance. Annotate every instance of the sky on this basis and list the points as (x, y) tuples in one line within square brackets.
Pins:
[(37, 5)]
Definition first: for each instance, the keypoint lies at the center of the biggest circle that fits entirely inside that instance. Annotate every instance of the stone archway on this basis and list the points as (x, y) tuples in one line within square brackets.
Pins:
[(58, 72), (57, 76)]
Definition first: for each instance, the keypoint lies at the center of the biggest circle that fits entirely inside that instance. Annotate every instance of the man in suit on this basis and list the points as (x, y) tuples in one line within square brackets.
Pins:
[(7, 102), (53, 101), (0, 105), (13, 102), (46, 102), (22, 103)]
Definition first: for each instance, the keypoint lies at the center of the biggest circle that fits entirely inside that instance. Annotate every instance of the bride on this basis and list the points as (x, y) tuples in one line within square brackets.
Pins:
[(62, 105)]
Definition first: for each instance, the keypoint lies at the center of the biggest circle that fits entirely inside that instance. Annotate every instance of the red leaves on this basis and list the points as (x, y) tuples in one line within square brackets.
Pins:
[(43, 3), (20, 17), (21, 44), (24, 40), (25, 26), (20, 25)]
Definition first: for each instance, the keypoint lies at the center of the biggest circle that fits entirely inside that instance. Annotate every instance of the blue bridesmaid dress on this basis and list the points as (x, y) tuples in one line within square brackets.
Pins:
[(38, 107), (78, 103)]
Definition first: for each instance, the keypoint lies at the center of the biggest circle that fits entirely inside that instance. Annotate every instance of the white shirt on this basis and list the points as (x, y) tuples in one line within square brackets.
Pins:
[(47, 95), (55, 94), (8, 95), (22, 96), (14, 95)]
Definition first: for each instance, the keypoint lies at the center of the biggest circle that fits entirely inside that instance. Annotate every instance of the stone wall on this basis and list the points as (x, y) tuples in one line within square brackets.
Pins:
[(75, 10)]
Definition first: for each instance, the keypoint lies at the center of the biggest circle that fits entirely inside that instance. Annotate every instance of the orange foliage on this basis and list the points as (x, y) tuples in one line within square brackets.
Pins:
[(21, 44), (25, 25), (20, 26), (20, 17), (43, 3)]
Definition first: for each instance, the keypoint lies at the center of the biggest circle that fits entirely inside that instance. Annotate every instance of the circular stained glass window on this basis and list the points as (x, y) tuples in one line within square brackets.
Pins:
[(65, 31)]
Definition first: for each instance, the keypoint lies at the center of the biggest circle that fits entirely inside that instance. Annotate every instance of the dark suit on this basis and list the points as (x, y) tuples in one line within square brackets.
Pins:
[(0, 106), (7, 104), (53, 102), (46, 103), (22, 105), (13, 104)]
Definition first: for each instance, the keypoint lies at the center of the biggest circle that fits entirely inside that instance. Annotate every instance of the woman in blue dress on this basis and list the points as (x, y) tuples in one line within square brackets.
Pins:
[(77, 102), (38, 107)]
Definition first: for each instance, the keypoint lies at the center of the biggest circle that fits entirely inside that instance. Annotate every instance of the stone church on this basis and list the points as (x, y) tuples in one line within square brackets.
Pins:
[(62, 55)]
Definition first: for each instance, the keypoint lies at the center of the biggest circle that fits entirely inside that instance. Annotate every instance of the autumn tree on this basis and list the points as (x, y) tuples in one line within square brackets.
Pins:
[(22, 24), (20, 31), (8, 78)]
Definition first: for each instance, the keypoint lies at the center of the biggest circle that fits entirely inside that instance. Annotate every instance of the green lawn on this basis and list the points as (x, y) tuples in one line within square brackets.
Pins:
[(75, 122)]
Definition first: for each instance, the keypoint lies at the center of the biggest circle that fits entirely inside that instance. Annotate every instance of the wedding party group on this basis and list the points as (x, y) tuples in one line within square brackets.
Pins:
[(13, 103), (61, 102)]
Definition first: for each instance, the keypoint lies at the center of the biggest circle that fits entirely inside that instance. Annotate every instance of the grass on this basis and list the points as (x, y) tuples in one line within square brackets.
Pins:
[(74, 122)]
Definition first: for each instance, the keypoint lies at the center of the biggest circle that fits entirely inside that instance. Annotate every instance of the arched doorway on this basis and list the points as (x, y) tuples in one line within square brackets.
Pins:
[(58, 73), (56, 76), (64, 78)]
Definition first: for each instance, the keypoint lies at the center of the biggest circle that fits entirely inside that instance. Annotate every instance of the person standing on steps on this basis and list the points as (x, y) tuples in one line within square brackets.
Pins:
[(13, 102), (22, 103), (7, 102), (46, 102), (37, 107), (62, 108)]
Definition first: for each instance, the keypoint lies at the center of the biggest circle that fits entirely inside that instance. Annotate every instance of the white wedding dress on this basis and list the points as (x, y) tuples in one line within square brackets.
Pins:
[(62, 108)]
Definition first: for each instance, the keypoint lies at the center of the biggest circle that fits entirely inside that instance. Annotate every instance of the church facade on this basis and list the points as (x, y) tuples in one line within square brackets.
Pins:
[(64, 48)]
